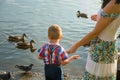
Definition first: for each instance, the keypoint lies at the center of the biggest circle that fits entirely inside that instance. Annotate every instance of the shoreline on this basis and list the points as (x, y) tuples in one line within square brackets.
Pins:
[(36, 75), (20, 75)]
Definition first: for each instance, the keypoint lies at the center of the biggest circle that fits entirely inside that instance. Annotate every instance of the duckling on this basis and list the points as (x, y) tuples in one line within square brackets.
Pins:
[(25, 68), (17, 38), (81, 14), (25, 45)]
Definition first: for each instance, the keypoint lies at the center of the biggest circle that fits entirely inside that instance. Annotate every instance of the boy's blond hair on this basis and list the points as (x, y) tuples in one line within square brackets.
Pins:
[(54, 32)]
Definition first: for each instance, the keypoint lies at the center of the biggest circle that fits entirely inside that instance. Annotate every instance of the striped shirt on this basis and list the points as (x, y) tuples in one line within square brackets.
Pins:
[(58, 54)]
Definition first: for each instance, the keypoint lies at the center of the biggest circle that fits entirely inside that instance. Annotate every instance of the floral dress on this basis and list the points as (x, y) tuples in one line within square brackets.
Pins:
[(102, 57)]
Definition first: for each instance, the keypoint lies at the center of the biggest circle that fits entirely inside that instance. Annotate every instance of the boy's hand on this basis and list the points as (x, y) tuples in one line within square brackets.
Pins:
[(75, 56)]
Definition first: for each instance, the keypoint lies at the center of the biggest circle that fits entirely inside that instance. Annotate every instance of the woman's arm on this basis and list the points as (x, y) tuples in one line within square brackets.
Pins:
[(102, 23)]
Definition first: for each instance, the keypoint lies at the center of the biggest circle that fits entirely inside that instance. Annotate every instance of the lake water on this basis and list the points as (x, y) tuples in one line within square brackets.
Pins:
[(33, 17)]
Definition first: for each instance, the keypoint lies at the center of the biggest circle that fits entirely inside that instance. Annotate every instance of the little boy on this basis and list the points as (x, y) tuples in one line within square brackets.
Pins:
[(54, 55)]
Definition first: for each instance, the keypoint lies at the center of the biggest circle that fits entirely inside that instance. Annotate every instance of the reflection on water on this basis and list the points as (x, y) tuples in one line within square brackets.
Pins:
[(33, 17)]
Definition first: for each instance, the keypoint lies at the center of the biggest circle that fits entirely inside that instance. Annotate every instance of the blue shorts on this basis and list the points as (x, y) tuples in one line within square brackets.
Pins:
[(53, 72)]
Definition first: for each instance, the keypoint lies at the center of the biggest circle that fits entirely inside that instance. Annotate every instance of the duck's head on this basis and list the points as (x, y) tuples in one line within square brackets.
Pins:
[(31, 65), (24, 35), (32, 41), (78, 11)]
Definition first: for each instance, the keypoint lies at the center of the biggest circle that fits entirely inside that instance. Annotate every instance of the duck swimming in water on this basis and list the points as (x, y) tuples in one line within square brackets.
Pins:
[(25, 45), (17, 38), (79, 14)]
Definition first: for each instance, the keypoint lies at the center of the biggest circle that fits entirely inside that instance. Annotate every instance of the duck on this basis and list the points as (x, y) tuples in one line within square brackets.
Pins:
[(25, 45), (25, 68), (5, 76), (17, 38), (83, 15)]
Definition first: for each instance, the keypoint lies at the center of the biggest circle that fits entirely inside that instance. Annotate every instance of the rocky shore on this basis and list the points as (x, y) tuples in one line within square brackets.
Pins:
[(19, 75)]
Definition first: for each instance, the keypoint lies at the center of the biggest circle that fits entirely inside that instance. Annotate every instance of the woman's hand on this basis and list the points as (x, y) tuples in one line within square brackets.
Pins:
[(72, 49), (94, 17)]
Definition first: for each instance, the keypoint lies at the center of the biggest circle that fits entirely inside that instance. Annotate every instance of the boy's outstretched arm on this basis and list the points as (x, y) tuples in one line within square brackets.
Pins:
[(64, 62)]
